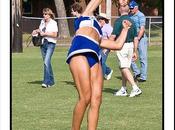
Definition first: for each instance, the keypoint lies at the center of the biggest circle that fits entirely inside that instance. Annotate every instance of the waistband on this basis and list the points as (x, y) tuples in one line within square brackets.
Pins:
[(129, 42), (45, 40), (88, 38)]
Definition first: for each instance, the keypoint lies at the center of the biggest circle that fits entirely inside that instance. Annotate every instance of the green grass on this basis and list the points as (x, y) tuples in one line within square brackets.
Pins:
[(35, 108), (155, 35)]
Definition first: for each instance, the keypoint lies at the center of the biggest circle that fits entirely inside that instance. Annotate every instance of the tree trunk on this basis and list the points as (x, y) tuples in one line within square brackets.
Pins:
[(62, 23), (16, 39)]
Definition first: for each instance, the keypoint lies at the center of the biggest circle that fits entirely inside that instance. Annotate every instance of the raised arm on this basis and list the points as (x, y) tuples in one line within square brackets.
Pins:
[(91, 7), (118, 44)]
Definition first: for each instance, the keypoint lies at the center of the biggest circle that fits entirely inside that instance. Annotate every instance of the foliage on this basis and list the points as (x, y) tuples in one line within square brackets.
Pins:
[(148, 5)]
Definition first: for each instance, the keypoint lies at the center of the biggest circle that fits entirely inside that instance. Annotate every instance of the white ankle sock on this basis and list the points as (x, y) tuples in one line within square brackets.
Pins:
[(123, 88), (135, 87)]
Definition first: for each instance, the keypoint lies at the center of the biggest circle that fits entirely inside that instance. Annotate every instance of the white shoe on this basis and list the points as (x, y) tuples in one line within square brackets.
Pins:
[(45, 86), (120, 93), (135, 92), (108, 77)]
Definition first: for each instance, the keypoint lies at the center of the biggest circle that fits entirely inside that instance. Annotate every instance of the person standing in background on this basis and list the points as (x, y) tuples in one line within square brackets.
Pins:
[(127, 52), (48, 30), (106, 30), (140, 74)]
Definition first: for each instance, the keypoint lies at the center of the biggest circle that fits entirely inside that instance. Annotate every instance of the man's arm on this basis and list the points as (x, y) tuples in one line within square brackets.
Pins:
[(135, 48), (142, 22), (141, 32)]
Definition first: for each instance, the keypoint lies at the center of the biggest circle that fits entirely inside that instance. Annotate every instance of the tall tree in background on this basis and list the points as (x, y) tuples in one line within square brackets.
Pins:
[(62, 23), (148, 6), (16, 39)]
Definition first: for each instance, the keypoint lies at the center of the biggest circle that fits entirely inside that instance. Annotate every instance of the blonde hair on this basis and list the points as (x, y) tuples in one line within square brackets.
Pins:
[(49, 12)]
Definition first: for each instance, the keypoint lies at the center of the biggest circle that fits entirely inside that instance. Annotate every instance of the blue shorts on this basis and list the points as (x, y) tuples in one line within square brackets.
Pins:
[(84, 46)]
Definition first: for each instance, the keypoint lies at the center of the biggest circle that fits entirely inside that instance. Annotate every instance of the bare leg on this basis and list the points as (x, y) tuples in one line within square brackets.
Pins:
[(96, 97), (123, 79), (128, 76), (81, 73)]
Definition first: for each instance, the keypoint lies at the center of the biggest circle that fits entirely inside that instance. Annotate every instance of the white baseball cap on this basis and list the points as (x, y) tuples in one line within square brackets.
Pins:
[(103, 15)]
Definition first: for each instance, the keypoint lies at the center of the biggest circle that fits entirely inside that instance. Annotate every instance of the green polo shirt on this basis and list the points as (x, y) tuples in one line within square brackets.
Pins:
[(132, 32)]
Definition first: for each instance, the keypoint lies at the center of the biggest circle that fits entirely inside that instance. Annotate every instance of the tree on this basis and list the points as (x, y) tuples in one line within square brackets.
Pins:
[(148, 6), (62, 23), (16, 39)]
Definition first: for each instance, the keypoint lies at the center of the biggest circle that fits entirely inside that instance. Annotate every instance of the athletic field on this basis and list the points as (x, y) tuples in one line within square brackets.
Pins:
[(36, 108)]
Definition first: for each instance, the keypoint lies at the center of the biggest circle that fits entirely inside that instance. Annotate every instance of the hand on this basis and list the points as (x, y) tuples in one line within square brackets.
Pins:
[(43, 33), (126, 24), (134, 57), (34, 32)]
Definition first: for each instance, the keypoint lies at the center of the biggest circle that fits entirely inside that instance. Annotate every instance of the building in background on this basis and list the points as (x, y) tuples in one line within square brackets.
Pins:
[(33, 8)]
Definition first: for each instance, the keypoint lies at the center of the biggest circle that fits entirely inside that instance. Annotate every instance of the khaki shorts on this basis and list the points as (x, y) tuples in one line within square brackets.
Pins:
[(124, 56)]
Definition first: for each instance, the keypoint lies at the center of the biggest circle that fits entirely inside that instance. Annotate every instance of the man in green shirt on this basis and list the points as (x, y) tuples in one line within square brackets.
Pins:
[(127, 53)]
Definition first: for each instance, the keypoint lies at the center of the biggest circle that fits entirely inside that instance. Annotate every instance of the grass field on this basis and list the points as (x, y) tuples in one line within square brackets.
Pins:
[(35, 108)]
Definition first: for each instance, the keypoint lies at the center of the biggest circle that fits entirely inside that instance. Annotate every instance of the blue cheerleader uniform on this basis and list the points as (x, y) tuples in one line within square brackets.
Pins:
[(84, 45)]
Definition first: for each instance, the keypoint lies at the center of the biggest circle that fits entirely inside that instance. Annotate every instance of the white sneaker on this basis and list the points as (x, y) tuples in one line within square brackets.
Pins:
[(45, 86), (108, 77), (120, 93), (135, 92)]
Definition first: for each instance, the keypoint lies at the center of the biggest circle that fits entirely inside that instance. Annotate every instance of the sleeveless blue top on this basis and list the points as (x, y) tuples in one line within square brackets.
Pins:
[(82, 43), (86, 21)]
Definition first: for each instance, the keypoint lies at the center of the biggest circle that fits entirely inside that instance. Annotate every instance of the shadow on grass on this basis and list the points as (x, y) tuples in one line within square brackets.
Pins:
[(69, 83), (35, 82), (109, 90), (118, 77)]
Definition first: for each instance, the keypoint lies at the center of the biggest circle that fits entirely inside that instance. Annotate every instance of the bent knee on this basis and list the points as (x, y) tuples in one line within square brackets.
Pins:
[(96, 100), (85, 100)]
